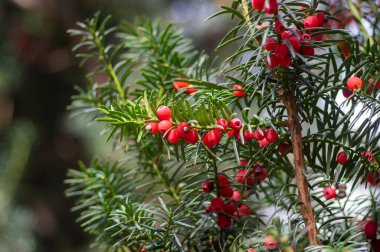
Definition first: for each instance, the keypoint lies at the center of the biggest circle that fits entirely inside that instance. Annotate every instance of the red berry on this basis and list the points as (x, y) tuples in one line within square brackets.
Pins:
[(251, 250), (223, 180), (261, 173), (212, 139), (183, 129), (372, 179), (341, 158), (207, 186), (191, 137), (281, 51), (217, 205), (231, 133), (329, 193), (178, 85), (321, 19), (271, 135), (263, 143), (241, 176), (307, 50), (271, 6), (247, 135), (286, 34), (226, 191), (306, 38), (294, 42), (270, 44), (346, 93), (368, 156), (370, 230), (224, 222), (270, 243), (242, 210), (286, 62), (354, 83), (258, 4), (164, 113), (229, 208), (259, 136), (172, 136), (311, 22), (223, 123), (243, 162), (279, 27), (284, 148), (272, 61), (236, 195), (164, 126), (239, 90), (236, 124), (152, 127)]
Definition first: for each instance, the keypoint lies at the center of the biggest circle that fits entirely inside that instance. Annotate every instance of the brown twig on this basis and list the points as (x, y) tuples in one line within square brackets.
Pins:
[(295, 129)]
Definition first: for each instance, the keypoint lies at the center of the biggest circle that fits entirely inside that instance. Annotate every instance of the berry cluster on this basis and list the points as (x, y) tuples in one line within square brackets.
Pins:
[(249, 176), (268, 6), (226, 205)]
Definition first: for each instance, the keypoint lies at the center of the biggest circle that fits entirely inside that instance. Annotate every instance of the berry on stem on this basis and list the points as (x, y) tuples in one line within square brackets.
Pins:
[(226, 191), (270, 6), (238, 90), (281, 51), (284, 148), (178, 85), (258, 4), (263, 143), (223, 180), (172, 136), (217, 205), (212, 138), (279, 27), (152, 127), (183, 129), (224, 222), (207, 186), (164, 113), (272, 61), (236, 124), (270, 243), (342, 158), (311, 22), (368, 156), (321, 19), (370, 230), (270, 44), (164, 126), (354, 83), (329, 193), (191, 137)]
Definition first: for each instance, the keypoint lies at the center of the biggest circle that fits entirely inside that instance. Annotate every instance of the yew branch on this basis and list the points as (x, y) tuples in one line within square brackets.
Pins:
[(295, 129)]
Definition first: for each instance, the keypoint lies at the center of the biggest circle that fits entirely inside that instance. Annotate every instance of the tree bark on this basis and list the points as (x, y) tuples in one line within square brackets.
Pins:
[(295, 130)]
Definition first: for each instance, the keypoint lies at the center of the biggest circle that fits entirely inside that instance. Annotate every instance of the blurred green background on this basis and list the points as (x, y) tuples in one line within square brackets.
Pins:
[(39, 141)]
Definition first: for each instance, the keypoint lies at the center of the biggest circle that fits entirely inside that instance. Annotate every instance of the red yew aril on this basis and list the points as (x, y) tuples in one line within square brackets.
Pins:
[(346, 93), (229, 208), (243, 162), (260, 174), (241, 176), (183, 129), (270, 243), (223, 180), (191, 137), (341, 158), (272, 60), (311, 22), (164, 126), (231, 133), (172, 136), (306, 38), (164, 113), (321, 19), (284, 148), (307, 50), (271, 135), (236, 124), (259, 136), (247, 135), (251, 250), (279, 27), (286, 34), (258, 4), (270, 44), (354, 83), (238, 90), (270, 6), (263, 143), (370, 230), (294, 42), (373, 179), (216, 205), (329, 193), (281, 51), (178, 85), (224, 222), (212, 138), (223, 123), (207, 186), (236, 195), (368, 156), (286, 62), (152, 127), (242, 210), (226, 192)]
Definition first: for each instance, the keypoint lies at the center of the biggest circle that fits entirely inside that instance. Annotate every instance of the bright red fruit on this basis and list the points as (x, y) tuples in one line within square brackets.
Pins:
[(236, 124), (226, 191), (259, 136), (311, 22), (183, 129), (191, 137), (307, 50), (172, 136), (341, 158), (272, 61), (270, 44), (261, 173), (284, 148), (241, 176), (373, 179), (370, 230), (271, 135), (368, 155), (164, 113), (236, 195), (281, 51), (152, 127), (247, 135), (178, 85), (286, 62), (224, 222), (212, 138), (279, 27), (223, 123), (223, 180), (164, 126), (242, 210), (207, 186), (306, 38), (346, 93), (251, 250), (258, 4), (329, 193), (321, 19), (217, 205), (229, 208), (270, 243), (231, 133), (354, 83), (263, 143), (243, 162), (271, 6), (294, 42), (238, 90)]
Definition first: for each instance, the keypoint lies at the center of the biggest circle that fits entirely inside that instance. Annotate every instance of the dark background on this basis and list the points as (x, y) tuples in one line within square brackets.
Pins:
[(37, 76)]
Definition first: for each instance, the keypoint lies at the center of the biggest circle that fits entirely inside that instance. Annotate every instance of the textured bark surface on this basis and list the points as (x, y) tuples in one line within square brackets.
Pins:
[(299, 165)]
